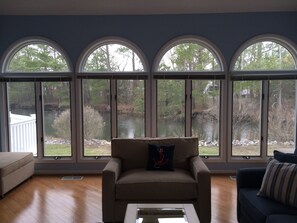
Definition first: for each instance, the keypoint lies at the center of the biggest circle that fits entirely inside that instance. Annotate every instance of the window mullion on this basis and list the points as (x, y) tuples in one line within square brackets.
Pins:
[(229, 117), (4, 118), (154, 108), (188, 107), (148, 108), (78, 129), (295, 128), (39, 121), (113, 102), (264, 118)]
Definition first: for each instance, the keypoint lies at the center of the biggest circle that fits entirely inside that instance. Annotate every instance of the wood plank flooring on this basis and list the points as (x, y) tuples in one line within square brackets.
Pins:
[(48, 199)]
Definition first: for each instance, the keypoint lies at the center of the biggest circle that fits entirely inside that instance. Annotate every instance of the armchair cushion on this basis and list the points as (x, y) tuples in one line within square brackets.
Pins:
[(138, 184)]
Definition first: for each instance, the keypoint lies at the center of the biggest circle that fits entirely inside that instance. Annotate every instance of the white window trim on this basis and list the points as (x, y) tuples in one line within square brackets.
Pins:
[(292, 48), (16, 46), (112, 76), (5, 61), (188, 87), (105, 41)]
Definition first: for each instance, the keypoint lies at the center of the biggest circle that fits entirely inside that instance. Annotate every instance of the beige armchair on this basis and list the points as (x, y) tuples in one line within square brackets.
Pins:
[(125, 178)]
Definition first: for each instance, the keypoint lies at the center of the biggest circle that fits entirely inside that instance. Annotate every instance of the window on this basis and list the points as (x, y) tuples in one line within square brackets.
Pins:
[(38, 95), (171, 108), (188, 76), (206, 115), (112, 74), (22, 117), (96, 117), (281, 116), (56, 119), (130, 108), (264, 107), (247, 99)]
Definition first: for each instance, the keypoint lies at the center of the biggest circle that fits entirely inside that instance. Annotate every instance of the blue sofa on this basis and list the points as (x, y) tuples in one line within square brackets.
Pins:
[(254, 209)]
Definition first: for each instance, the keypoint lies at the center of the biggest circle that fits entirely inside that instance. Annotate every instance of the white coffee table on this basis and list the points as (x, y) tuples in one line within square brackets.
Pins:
[(158, 213)]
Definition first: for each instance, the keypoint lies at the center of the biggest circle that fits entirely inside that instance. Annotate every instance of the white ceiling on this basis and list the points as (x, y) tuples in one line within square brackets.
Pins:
[(140, 7)]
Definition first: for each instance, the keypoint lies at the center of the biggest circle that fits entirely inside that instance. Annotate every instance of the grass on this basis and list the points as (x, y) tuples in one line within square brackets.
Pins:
[(57, 150), (65, 150)]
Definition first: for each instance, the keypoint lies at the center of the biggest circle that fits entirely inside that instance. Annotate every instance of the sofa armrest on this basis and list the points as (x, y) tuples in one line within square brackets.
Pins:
[(110, 174), (250, 177), (202, 176)]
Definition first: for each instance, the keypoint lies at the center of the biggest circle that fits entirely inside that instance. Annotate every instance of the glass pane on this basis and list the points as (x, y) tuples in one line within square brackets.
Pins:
[(265, 56), (206, 115), (246, 118), (130, 108), (281, 119), (113, 57), (22, 115), (96, 117), (38, 58), (171, 108), (189, 57), (56, 118)]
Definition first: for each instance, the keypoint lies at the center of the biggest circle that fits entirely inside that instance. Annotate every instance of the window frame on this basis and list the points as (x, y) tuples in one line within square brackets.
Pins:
[(37, 78), (112, 77), (188, 77), (264, 76)]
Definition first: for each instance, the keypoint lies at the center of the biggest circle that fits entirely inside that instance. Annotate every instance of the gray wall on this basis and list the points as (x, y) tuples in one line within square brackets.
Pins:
[(149, 33), (74, 33)]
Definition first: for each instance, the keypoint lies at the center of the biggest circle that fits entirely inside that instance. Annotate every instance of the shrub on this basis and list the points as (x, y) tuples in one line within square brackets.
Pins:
[(93, 124), (62, 125)]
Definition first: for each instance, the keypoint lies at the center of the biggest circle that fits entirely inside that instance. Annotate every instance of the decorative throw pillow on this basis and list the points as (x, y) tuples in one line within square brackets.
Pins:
[(285, 157), (160, 157), (280, 182)]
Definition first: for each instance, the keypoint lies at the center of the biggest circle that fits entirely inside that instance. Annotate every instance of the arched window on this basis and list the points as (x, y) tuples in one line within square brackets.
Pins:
[(265, 55), (188, 72), (37, 75), (264, 100), (37, 57), (113, 57), (189, 56), (113, 74)]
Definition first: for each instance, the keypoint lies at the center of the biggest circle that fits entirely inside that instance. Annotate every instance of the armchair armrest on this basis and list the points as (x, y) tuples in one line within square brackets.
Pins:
[(202, 176), (113, 169), (110, 174)]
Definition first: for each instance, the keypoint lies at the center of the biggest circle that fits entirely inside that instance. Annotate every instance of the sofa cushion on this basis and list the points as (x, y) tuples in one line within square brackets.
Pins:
[(11, 161), (140, 184), (285, 157), (258, 208), (160, 157), (280, 182), (282, 218)]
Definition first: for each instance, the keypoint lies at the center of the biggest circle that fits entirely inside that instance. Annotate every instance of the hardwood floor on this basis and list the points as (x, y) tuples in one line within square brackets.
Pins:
[(48, 199)]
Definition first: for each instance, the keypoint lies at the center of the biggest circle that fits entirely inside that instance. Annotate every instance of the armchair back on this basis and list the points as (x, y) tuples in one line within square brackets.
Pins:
[(134, 152)]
